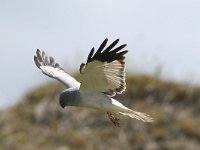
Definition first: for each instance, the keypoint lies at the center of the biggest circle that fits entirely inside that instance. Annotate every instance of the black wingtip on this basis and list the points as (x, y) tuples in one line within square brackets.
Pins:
[(101, 47), (112, 45), (109, 54), (119, 48), (90, 55), (106, 40)]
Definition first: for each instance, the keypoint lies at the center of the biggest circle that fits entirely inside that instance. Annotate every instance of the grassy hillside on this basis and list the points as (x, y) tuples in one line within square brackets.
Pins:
[(38, 122)]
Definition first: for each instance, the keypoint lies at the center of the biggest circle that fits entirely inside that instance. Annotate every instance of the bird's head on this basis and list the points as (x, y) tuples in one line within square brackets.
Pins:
[(69, 97), (62, 102)]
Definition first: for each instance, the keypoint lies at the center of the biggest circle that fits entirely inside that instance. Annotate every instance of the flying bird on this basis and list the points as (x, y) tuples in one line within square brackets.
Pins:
[(102, 77)]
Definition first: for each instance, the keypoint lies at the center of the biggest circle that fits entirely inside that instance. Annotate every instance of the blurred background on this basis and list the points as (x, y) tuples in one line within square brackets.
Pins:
[(162, 68)]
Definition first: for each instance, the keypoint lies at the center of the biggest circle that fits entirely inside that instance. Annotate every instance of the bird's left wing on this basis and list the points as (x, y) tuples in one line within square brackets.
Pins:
[(104, 70), (48, 67)]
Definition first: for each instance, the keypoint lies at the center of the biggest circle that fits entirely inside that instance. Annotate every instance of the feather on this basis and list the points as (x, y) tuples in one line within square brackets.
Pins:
[(37, 62), (111, 46), (48, 67), (51, 61), (39, 57), (101, 47), (90, 55), (104, 70)]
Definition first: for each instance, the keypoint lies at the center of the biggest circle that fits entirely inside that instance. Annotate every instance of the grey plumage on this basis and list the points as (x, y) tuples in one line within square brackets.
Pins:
[(52, 63), (103, 76), (53, 70), (70, 97)]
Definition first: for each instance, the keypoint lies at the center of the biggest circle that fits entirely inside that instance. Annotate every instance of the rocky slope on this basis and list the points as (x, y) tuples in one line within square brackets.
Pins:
[(38, 122)]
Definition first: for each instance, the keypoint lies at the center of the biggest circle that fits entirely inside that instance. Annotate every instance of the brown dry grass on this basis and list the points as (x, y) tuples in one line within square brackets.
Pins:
[(38, 122)]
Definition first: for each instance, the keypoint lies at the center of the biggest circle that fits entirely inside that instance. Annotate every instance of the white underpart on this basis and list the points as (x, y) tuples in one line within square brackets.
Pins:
[(98, 78), (104, 103), (103, 77), (120, 108), (96, 100)]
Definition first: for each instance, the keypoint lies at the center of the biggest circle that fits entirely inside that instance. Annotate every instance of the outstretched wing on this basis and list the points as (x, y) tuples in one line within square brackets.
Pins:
[(105, 70), (48, 67)]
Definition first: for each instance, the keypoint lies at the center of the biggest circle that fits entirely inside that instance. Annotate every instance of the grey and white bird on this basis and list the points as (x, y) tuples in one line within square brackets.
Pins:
[(102, 77)]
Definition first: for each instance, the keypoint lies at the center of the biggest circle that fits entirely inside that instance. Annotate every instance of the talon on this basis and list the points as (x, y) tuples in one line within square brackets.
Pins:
[(113, 119)]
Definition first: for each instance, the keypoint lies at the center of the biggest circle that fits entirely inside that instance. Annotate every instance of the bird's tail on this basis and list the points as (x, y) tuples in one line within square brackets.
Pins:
[(138, 115), (121, 109)]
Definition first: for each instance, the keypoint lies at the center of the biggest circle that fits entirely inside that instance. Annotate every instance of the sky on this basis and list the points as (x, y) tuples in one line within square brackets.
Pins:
[(160, 35)]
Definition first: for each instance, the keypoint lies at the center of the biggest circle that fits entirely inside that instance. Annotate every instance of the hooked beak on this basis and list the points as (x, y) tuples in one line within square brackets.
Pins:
[(62, 104)]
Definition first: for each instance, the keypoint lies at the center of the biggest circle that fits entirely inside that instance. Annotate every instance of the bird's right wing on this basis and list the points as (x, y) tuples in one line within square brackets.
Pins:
[(48, 67), (105, 69)]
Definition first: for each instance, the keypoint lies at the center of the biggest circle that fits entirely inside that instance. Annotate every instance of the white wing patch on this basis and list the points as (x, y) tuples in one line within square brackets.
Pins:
[(48, 67), (93, 78), (105, 70), (115, 75)]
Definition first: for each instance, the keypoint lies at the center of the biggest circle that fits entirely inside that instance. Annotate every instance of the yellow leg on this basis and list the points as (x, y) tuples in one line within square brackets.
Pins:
[(113, 119)]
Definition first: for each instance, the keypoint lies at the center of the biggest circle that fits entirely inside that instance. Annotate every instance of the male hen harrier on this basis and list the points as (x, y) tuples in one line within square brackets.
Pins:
[(102, 77)]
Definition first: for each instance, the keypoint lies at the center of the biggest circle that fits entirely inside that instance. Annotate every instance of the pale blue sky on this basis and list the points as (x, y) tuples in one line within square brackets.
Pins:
[(158, 33)]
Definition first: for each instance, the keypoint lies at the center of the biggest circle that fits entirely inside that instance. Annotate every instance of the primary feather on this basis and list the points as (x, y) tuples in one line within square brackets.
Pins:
[(48, 67), (102, 76), (105, 70)]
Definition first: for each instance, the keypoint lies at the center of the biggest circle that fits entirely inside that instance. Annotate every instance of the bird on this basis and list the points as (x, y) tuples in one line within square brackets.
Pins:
[(102, 77)]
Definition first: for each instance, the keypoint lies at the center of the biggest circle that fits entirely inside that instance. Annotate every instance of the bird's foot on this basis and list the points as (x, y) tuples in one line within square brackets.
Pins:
[(113, 119)]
